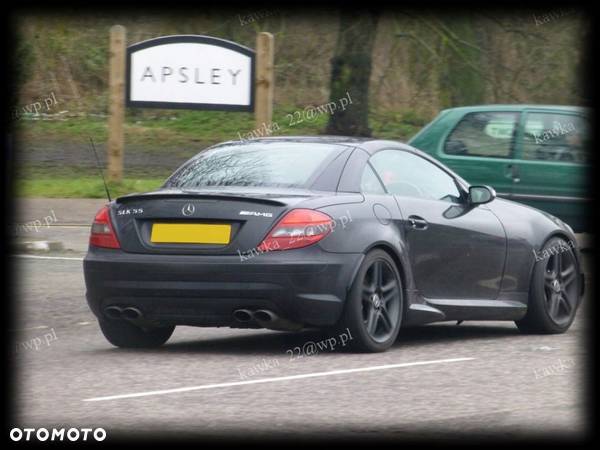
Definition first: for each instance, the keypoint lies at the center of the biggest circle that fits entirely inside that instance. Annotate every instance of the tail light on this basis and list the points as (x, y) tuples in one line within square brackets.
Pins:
[(103, 234), (298, 228)]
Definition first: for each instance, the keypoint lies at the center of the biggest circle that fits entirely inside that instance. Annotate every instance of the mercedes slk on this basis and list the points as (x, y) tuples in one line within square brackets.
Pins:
[(327, 232)]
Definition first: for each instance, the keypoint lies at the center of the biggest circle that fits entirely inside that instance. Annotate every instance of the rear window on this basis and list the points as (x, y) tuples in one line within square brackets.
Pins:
[(556, 137), (276, 164)]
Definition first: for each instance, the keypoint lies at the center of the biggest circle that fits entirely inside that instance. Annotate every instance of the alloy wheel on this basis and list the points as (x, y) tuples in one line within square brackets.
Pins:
[(560, 287), (381, 300)]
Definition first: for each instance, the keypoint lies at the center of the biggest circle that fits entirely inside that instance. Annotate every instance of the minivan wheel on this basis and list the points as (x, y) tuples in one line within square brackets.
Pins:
[(373, 310), (126, 335), (554, 291)]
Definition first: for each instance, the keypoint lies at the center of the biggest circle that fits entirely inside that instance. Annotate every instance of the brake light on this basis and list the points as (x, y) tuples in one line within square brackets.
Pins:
[(298, 228), (103, 234)]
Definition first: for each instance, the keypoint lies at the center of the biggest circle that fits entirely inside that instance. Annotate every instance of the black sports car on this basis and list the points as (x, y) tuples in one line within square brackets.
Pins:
[(295, 232)]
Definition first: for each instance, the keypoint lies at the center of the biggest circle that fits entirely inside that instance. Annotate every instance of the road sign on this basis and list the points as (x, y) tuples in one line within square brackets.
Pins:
[(190, 72)]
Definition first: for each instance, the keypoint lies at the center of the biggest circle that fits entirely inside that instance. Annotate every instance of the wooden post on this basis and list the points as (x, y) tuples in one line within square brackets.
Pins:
[(116, 86), (263, 109)]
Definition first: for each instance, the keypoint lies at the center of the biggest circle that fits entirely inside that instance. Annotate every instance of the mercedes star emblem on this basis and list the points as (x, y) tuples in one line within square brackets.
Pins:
[(188, 209)]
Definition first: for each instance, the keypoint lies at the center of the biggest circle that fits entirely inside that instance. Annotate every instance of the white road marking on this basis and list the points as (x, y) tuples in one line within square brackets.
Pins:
[(65, 258), (44, 327), (40, 327), (64, 225), (545, 348), (274, 379), (70, 225)]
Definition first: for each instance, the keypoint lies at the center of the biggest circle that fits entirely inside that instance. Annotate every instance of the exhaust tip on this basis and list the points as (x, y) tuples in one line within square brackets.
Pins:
[(263, 315), (242, 315), (269, 319), (131, 313), (113, 312)]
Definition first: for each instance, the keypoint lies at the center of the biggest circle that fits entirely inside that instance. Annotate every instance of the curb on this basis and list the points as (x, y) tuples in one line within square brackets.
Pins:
[(38, 246)]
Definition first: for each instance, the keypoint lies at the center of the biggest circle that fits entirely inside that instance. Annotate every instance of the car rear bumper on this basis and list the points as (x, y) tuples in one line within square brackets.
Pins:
[(307, 285)]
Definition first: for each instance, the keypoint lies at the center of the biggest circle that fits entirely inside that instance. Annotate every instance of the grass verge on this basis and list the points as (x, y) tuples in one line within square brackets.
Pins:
[(150, 135), (82, 187)]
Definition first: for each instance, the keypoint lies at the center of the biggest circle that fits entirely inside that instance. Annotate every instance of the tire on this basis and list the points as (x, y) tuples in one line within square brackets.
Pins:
[(126, 335), (373, 320), (553, 291)]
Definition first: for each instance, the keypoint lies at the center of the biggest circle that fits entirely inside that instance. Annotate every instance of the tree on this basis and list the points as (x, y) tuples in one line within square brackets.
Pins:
[(351, 71), (462, 81)]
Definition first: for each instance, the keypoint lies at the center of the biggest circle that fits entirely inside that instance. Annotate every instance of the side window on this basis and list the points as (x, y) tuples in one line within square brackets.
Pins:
[(556, 137), (489, 134), (406, 174), (369, 183)]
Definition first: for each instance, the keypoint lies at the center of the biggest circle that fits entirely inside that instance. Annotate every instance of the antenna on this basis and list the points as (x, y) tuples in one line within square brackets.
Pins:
[(100, 169)]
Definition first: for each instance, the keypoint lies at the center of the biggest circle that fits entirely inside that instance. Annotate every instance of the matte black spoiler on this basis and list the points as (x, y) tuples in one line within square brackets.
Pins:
[(265, 199)]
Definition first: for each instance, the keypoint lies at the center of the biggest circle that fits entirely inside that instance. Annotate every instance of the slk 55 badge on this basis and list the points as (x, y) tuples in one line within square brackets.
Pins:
[(128, 211)]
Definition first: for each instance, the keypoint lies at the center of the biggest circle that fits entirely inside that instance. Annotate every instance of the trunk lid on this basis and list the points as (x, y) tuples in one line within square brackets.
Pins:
[(243, 216)]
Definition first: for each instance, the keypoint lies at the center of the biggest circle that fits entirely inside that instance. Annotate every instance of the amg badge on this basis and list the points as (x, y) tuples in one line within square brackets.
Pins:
[(256, 213)]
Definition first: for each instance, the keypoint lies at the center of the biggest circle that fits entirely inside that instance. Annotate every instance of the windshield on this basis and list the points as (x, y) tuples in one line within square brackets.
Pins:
[(276, 164)]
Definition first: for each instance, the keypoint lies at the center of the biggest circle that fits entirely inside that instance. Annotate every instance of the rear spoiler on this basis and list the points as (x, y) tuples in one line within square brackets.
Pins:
[(199, 196)]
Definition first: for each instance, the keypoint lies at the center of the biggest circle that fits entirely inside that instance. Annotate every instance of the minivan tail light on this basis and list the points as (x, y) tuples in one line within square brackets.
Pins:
[(103, 233), (298, 228)]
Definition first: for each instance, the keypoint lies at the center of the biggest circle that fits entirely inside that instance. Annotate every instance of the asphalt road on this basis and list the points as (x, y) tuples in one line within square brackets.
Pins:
[(476, 380)]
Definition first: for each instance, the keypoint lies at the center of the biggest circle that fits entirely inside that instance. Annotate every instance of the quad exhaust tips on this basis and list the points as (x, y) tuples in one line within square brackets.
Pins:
[(266, 319), (265, 316), (131, 313), (128, 313), (242, 315), (113, 312)]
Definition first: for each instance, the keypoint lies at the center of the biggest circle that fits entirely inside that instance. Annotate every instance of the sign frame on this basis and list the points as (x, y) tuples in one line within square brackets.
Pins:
[(190, 38)]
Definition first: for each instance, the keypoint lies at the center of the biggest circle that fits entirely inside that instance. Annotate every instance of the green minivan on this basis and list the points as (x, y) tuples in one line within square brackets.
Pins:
[(535, 154)]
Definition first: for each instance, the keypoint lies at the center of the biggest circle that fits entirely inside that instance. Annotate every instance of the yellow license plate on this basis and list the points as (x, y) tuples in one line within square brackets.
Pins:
[(190, 233)]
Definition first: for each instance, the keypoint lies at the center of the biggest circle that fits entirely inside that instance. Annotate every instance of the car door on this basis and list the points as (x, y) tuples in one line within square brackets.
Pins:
[(480, 148), (456, 251), (552, 161)]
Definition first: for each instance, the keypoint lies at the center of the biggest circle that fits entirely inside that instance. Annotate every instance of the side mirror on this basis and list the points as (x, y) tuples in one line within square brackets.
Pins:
[(478, 195)]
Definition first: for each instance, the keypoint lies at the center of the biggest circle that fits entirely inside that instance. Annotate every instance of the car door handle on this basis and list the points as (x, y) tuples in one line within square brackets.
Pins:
[(417, 223)]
